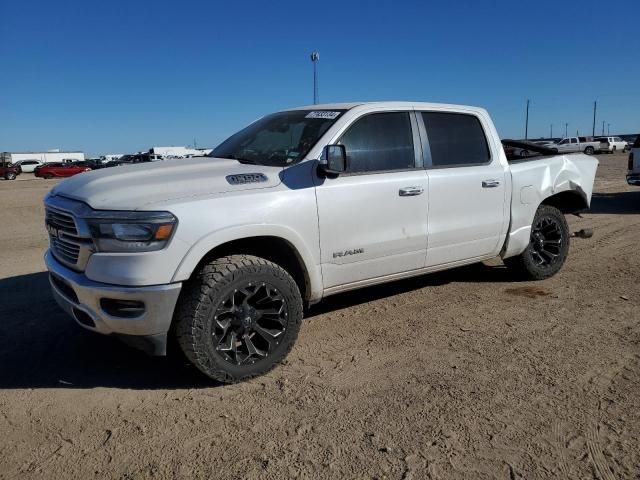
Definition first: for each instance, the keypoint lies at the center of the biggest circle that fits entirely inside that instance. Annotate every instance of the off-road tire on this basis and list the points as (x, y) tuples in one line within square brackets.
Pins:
[(202, 295), (524, 265)]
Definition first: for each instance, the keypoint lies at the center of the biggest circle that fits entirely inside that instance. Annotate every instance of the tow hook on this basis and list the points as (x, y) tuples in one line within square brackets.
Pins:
[(584, 233)]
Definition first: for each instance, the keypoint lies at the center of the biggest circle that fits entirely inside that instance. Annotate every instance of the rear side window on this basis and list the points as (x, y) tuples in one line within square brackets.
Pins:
[(636, 144), (379, 142), (455, 139)]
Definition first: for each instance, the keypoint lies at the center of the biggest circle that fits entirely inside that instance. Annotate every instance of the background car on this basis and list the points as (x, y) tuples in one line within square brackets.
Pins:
[(612, 144), (27, 166), (8, 171), (51, 170), (92, 163), (131, 159)]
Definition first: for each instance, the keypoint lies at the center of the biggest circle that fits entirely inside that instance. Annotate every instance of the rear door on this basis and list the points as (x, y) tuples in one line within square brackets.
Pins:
[(373, 218), (468, 208)]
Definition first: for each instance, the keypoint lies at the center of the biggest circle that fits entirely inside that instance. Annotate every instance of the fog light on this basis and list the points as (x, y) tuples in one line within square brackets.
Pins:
[(122, 308)]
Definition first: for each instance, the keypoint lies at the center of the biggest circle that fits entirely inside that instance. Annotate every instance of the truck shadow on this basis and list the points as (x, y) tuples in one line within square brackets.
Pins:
[(475, 273), (615, 203), (41, 347)]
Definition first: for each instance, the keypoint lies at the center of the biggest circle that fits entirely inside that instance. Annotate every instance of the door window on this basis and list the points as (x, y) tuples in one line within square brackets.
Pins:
[(456, 139), (574, 140), (380, 142)]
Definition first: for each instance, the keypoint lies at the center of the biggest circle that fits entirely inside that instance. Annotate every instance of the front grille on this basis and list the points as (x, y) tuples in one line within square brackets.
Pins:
[(69, 236), (61, 221), (63, 236), (66, 250)]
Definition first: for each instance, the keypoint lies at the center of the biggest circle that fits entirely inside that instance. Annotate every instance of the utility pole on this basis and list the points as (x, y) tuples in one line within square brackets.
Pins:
[(195, 144), (315, 56), (603, 128), (608, 129), (551, 131), (526, 123), (593, 130), (566, 125)]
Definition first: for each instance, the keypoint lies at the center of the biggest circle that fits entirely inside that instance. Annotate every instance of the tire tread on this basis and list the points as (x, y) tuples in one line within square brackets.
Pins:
[(196, 297)]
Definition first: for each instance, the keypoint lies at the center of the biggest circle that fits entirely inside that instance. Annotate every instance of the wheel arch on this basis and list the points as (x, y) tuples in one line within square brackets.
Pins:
[(276, 247), (568, 201)]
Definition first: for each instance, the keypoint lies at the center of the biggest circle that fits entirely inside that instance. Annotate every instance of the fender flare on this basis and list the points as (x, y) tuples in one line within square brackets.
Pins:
[(212, 240)]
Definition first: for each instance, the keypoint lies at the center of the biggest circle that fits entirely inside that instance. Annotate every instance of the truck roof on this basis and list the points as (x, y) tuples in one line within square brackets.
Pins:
[(387, 104)]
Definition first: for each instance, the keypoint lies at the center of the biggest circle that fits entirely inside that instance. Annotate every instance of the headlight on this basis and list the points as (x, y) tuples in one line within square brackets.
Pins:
[(131, 231)]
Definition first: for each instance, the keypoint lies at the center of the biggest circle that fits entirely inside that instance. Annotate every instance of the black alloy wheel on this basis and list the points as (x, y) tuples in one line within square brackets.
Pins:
[(249, 323), (238, 317), (548, 246), (546, 241)]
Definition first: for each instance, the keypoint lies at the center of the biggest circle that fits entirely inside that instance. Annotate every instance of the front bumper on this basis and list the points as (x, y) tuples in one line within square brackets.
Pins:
[(83, 299), (634, 179)]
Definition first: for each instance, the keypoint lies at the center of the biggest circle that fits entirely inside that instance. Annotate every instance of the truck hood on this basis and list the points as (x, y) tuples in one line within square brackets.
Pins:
[(133, 187)]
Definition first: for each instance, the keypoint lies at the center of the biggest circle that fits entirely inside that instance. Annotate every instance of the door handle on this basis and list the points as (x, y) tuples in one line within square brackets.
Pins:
[(490, 183), (410, 191)]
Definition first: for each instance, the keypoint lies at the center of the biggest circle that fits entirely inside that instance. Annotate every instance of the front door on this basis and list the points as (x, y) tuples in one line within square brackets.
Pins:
[(373, 219)]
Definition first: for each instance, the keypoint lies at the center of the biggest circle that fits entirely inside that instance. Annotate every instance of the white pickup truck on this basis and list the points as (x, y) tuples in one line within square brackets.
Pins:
[(633, 175), (225, 251), (578, 144)]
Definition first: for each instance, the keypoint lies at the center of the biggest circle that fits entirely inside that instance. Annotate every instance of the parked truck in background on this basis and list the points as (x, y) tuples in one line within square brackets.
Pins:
[(225, 251), (633, 175), (577, 144)]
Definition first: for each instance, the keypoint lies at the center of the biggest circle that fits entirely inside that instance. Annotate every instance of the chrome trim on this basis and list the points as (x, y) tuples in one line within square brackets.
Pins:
[(411, 191)]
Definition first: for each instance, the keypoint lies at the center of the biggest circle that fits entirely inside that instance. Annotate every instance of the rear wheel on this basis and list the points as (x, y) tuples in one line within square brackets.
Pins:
[(589, 150), (48, 175), (548, 246), (238, 318)]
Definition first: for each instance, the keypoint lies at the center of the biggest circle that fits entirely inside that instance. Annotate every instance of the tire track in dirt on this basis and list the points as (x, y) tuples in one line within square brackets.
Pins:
[(596, 455)]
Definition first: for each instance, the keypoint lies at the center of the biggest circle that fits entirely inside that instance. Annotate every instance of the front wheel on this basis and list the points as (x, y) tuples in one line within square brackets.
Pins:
[(238, 318), (48, 176), (589, 150), (10, 176), (548, 246)]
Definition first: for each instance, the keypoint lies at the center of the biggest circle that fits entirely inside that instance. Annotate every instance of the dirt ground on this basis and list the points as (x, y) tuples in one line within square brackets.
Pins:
[(463, 374)]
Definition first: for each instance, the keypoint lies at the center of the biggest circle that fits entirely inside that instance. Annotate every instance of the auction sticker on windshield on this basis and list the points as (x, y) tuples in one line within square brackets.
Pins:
[(323, 114)]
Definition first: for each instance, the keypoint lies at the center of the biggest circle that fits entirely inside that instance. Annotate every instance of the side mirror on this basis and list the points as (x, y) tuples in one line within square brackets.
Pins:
[(334, 160)]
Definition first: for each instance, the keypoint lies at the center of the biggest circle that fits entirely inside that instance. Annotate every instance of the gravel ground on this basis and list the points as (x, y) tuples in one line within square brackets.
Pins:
[(462, 374)]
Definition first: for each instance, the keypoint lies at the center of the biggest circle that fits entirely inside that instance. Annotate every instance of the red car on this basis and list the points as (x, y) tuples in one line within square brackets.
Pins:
[(8, 171), (50, 170)]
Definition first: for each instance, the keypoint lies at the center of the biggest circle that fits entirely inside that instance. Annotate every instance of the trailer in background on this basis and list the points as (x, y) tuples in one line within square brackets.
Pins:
[(44, 157)]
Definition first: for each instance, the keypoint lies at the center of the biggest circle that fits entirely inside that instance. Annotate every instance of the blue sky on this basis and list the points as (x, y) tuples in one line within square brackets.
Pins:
[(123, 76)]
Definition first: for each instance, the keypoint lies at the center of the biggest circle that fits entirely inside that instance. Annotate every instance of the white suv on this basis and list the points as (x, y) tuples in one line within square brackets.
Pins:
[(613, 144)]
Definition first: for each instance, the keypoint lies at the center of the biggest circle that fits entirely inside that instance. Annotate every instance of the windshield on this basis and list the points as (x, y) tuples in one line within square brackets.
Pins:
[(278, 139)]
